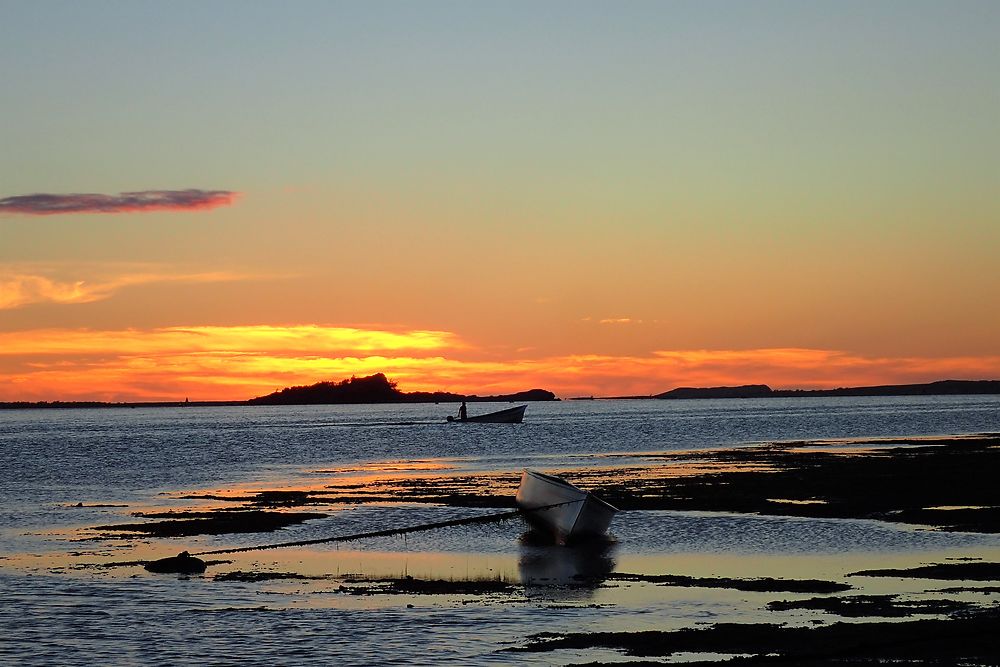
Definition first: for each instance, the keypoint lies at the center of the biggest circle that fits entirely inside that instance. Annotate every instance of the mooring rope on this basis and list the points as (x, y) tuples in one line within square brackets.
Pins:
[(489, 518)]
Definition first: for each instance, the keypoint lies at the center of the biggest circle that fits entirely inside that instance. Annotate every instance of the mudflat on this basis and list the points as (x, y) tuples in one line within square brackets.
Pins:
[(937, 484), (946, 483)]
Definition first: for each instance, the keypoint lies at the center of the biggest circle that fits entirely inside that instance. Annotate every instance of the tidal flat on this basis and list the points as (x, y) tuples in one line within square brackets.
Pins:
[(819, 552)]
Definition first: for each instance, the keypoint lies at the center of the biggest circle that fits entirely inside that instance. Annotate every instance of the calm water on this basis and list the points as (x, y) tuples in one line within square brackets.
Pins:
[(53, 614)]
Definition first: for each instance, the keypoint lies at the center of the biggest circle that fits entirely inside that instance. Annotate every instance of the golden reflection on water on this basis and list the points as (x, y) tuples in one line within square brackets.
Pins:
[(393, 465), (349, 563), (645, 474), (834, 567), (422, 479), (561, 574), (395, 481), (338, 576)]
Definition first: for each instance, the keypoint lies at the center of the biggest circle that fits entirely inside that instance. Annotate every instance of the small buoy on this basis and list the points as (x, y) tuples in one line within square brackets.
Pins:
[(183, 563)]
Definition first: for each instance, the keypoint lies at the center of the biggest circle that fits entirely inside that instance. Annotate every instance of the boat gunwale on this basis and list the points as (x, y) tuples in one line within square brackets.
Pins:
[(587, 495), (482, 419)]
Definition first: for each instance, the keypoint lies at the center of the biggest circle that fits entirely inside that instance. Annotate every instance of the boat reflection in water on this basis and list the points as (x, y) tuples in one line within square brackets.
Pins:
[(558, 571)]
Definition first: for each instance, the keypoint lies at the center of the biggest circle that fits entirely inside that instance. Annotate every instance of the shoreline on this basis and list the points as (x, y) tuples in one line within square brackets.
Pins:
[(936, 388), (941, 483), (794, 614)]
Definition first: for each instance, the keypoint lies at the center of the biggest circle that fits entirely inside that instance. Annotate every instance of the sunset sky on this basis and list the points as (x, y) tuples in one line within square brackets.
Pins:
[(215, 200)]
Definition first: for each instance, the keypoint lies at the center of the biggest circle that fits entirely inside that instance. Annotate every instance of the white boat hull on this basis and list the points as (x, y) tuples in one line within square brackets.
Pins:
[(566, 511)]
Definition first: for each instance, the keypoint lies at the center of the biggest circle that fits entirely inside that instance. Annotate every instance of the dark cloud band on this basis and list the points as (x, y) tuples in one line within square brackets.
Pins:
[(125, 202)]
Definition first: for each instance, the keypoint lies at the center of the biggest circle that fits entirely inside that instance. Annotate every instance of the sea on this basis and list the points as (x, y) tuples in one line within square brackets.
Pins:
[(64, 471)]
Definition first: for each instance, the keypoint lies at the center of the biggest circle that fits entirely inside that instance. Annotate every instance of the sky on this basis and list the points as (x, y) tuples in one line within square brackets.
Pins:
[(215, 200)]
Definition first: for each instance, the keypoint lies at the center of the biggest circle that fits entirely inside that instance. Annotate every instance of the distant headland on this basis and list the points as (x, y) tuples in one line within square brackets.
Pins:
[(377, 388), (940, 388)]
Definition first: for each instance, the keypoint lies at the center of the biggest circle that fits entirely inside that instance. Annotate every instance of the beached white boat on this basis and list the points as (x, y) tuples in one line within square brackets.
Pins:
[(554, 505), (508, 416)]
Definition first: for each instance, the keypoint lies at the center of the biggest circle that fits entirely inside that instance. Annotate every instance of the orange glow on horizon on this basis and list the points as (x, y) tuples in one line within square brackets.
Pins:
[(236, 363), (262, 339)]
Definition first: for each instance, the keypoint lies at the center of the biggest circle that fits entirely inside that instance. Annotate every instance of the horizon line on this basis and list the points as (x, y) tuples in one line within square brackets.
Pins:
[(478, 398)]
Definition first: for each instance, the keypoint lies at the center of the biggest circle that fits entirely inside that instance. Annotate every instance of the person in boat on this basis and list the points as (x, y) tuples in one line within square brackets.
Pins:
[(463, 412)]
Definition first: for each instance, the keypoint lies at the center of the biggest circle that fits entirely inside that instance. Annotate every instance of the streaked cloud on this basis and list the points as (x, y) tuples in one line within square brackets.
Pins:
[(21, 288), (204, 362), (264, 340), (231, 363), (125, 202)]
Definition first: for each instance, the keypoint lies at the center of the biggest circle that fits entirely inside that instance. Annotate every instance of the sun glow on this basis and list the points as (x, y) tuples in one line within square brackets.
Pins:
[(240, 362), (263, 339)]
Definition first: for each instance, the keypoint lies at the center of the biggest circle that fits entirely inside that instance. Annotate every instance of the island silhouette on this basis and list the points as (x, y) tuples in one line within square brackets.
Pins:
[(378, 388)]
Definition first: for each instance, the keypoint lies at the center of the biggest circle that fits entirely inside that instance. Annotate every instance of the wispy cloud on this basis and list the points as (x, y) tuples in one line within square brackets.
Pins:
[(19, 289), (616, 320), (124, 202)]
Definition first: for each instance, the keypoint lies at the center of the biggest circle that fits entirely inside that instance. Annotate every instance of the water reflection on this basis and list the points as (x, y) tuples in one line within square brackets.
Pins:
[(565, 572)]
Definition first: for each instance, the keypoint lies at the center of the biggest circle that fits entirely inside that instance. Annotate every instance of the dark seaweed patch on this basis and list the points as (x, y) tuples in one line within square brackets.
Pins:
[(762, 584), (969, 639), (214, 523)]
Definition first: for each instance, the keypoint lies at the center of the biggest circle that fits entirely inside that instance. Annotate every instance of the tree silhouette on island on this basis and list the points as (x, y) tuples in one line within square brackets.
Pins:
[(379, 389)]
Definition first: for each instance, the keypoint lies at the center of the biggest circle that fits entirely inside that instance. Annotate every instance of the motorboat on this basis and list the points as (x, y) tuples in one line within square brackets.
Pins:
[(568, 513), (508, 416)]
